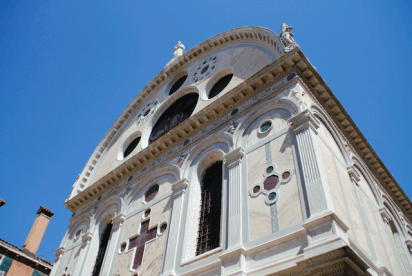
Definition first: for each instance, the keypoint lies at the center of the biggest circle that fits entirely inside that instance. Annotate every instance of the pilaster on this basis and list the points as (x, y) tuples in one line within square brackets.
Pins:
[(314, 174), (233, 161), (179, 189)]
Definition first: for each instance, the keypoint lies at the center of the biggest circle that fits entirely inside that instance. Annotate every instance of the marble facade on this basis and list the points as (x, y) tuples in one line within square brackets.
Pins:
[(336, 210)]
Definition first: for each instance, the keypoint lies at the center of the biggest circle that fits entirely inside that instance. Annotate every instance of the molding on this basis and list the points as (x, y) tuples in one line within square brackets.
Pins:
[(234, 157), (179, 187), (303, 120)]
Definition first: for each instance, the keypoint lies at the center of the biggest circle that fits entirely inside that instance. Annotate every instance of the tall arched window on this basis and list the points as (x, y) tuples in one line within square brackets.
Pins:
[(210, 209), (102, 249)]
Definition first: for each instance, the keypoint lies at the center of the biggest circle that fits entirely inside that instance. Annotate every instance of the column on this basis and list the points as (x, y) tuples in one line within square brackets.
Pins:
[(112, 249), (82, 256), (233, 161), (179, 189), (314, 175)]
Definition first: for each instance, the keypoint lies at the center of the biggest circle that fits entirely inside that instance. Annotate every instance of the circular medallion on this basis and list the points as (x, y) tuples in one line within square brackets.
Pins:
[(205, 69)]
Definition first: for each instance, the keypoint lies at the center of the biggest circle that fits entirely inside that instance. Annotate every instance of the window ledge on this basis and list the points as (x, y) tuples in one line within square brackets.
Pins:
[(204, 255)]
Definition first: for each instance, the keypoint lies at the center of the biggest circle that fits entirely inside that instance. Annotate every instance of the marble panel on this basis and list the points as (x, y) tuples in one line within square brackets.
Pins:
[(366, 188), (390, 259), (67, 261), (260, 224), (348, 192), (256, 164), (288, 204), (330, 141), (337, 194), (137, 201)]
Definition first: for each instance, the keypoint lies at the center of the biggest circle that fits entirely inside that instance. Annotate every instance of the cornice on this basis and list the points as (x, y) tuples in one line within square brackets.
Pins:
[(256, 35)]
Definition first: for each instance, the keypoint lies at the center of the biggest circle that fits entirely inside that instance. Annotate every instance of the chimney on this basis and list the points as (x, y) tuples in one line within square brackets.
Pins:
[(37, 231), (32, 243)]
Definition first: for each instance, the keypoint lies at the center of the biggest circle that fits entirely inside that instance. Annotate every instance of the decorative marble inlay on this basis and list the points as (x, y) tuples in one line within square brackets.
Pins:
[(205, 69), (146, 113)]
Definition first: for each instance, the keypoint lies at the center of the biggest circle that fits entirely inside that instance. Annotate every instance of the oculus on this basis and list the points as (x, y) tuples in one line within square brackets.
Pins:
[(205, 69), (179, 111), (151, 193), (220, 85), (265, 126), (177, 85), (131, 147)]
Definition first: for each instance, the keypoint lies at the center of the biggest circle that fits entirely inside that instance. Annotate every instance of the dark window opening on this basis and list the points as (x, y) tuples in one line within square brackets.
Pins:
[(131, 147), (179, 111), (210, 209), (177, 85), (102, 249), (220, 85)]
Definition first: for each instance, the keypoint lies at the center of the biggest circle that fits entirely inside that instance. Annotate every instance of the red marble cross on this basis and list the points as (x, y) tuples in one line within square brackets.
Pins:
[(140, 241)]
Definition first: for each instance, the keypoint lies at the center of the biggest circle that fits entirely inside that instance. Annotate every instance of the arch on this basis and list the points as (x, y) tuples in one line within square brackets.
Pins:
[(364, 172), (284, 104), (200, 160), (390, 207), (324, 119), (160, 111), (112, 208)]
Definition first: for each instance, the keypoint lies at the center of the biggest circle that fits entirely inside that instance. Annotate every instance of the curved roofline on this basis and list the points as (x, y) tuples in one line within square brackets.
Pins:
[(251, 34)]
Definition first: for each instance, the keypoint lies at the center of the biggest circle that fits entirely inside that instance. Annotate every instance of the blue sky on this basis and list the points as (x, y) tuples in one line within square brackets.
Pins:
[(69, 68)]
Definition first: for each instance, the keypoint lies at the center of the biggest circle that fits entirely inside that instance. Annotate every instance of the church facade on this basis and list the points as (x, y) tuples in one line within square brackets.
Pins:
[(236, 159)]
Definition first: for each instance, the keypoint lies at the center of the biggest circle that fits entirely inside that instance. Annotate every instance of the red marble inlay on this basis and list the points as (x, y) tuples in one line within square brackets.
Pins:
[(152, 192), (140, 241), (163, 227), (285, 175), (270, 182), (256, 189), (147, 213)]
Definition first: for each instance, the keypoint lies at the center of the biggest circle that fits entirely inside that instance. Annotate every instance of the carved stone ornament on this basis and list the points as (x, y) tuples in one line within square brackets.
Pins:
[(299, 97), (146, 113), (286, 37), (177, 52), (181, 160), (232, 127)]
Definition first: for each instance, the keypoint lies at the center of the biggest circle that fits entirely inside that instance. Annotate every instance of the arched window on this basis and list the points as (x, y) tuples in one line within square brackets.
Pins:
[(179, 111), (102, 249), (210, 209)]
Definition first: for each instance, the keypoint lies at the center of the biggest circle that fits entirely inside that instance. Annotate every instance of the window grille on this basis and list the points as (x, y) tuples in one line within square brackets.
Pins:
[(210, 209), (102, 249)]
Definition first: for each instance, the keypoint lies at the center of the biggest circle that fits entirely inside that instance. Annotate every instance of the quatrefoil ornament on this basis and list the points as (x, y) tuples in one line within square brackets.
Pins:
[(271, 183)]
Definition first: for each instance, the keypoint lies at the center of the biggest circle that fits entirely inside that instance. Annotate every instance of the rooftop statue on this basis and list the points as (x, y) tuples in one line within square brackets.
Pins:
[(287, 37), (178, 51)]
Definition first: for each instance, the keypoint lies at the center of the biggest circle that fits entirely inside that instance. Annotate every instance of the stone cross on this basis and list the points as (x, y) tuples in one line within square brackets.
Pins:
[(140, 241)]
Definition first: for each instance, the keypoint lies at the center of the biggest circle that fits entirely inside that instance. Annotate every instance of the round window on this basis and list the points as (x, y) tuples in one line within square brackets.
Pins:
[(269, 169), (177, 85), (220, 85), (78, 234), (152, 192), (265, 126), (131, 147)]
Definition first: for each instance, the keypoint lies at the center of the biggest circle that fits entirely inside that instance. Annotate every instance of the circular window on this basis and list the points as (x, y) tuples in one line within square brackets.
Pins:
[(131, 147), (206, 68), (177, 85), (270, 182), (146, 112), (265, 126), (179, 111), (269, 169), (152, 192), (130, 178), (220, 85), (234, 112), (78, 234), (147, 213), (122, 247)]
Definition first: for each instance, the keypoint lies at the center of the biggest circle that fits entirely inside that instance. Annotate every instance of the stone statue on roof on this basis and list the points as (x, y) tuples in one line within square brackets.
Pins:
[(178, 51), (286, 37)]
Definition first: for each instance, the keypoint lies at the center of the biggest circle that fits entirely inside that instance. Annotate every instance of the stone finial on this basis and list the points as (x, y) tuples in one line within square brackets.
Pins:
[(286, 37)]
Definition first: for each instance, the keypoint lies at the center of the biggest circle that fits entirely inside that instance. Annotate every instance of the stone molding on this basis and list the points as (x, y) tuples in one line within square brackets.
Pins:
[(303, 120), (118, 221), (234, 157), (180, 187)]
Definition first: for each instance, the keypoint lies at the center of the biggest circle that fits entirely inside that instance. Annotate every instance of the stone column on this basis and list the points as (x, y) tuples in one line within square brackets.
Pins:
[(111, 251), (82, 256), (314, 175), (233, 161), (179, 189)]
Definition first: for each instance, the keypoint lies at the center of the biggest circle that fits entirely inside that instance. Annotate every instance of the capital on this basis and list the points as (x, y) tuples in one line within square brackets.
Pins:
[(234, 157), (118, 221), (180, 186), (353, 173), (303, 120)]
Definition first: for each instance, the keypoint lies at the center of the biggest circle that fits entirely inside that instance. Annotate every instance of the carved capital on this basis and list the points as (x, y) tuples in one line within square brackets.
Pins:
[(385, 215), (118, 221), (234, 157), (59, 252), (303, 120), (353, 173), (179, 187)]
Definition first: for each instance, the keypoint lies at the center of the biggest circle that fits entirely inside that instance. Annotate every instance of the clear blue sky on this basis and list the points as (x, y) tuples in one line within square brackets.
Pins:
[(69, 68)]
